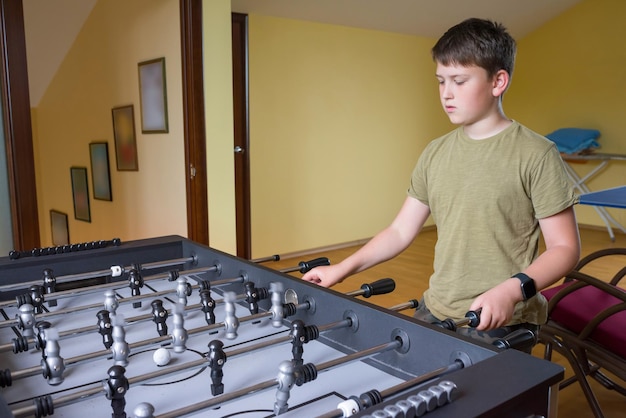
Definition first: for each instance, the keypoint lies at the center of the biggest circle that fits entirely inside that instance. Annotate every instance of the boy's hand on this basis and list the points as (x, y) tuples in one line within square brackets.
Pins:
[(325, 276), (497, 304)]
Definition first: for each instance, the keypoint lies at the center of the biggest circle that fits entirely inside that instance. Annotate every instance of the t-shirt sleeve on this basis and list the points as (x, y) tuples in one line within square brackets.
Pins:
[(418, 187), (551, 189)]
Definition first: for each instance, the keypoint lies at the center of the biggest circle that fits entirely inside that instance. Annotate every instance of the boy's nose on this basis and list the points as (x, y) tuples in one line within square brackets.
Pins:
[(445, 91)]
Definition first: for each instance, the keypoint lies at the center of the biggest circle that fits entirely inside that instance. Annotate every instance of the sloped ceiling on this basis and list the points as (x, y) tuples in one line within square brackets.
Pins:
[(50, 29), (429, 18), (52, 25)]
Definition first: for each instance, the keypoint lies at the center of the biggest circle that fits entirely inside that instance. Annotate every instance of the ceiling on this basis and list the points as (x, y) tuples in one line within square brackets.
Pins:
[(429, 18), (52, 25), (50, 29)]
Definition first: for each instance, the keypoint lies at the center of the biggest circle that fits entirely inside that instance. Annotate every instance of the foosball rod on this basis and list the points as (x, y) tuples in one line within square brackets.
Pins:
[(114, 271), (276, 316), (344, 323), (27, 341), (411, 304), (259, 260), (8, 376), (367, 290), (303, 267), (171, 370), (276, 313), (170, 276), (219, 400), (377, 287), (239, 279), (472, 319), (348, 322), (427, 403), (422, 405)]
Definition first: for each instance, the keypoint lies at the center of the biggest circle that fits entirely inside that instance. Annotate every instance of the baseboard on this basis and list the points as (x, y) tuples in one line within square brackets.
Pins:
[(340, 246), (590, 227), (358, 242)]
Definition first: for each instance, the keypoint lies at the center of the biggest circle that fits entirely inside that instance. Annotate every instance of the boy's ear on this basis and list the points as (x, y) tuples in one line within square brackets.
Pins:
[(500, 82)]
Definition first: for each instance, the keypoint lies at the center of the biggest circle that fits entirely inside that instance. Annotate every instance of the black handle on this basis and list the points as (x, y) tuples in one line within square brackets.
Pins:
[(311, 264), (61, 249), (521, 339), (379, 287), (473, 317), (274, 257)]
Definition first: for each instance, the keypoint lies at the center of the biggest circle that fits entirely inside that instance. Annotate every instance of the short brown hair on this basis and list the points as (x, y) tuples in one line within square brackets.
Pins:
[(478, 42)]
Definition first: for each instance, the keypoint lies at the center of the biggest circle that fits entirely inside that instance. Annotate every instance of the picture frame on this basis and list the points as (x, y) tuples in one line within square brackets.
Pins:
[(100, 173), (80, 193), (153, 96), (59, 227), (125, 140)]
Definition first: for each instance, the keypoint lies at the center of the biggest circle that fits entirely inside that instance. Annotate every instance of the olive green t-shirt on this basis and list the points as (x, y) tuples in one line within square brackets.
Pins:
[(486, 197)]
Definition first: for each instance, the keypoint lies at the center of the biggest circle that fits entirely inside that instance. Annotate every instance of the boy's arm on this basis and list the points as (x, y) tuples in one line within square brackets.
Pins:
[(388, 243), (560, 233)]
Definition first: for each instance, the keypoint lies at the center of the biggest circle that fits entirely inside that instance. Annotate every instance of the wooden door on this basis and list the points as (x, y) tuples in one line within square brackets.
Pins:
[(241, 145), (193, 120)]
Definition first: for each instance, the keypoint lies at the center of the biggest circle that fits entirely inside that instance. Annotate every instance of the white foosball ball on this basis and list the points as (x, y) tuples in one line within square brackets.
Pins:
[(166, 327)]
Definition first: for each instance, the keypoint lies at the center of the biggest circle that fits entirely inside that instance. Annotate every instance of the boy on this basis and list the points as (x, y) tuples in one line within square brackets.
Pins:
[(492, 186)]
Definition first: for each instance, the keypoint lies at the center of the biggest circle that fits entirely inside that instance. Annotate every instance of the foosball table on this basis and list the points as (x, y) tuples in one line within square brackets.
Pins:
[(166, 327)]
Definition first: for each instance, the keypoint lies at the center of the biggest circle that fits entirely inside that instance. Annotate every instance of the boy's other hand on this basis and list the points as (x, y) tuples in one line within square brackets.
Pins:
[(497, 305)]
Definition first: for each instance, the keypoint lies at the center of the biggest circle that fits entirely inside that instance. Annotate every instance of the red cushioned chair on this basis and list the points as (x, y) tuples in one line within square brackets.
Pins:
[(587, 325)]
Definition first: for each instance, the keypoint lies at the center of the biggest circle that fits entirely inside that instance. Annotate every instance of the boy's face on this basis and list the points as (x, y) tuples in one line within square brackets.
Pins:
[(468, 94)]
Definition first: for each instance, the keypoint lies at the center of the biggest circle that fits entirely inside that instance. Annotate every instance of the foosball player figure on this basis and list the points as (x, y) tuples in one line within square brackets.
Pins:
[(116, 387), (159, 316), (217, 358)]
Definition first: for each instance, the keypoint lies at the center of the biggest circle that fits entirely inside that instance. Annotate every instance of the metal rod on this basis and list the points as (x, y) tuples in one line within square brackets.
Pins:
[(30, 411), (401, 387), (274, 257), (148, 377), (112, 285), (250, 390), (129, 321), (287, 338), (99, 273), (46, 315), (412, 304)]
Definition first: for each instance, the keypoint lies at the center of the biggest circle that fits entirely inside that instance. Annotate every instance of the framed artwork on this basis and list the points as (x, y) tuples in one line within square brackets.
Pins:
[(153, 96), (100, 174), (60, 230), (124, 134), (80, 193)]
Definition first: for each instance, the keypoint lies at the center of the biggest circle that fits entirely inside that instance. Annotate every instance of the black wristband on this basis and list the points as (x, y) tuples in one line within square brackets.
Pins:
[(527, 285)]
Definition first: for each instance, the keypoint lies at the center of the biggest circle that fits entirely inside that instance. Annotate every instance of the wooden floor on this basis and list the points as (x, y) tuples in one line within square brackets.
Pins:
[(411, 271)]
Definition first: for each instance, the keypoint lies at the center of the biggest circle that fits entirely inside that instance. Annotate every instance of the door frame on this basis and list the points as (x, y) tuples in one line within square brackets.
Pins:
[(194, 121), (241, 141), (18, 136)]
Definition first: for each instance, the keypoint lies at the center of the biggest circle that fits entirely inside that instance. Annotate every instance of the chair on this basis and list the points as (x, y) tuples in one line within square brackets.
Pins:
[(587, 325)]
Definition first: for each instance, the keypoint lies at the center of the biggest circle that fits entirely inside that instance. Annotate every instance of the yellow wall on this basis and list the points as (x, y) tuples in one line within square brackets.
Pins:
[(99, 73), (218, 99), (338, 117), (569, 74)]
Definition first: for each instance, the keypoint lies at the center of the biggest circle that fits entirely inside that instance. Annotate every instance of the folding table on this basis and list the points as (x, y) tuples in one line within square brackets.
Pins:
[(614, 197)]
